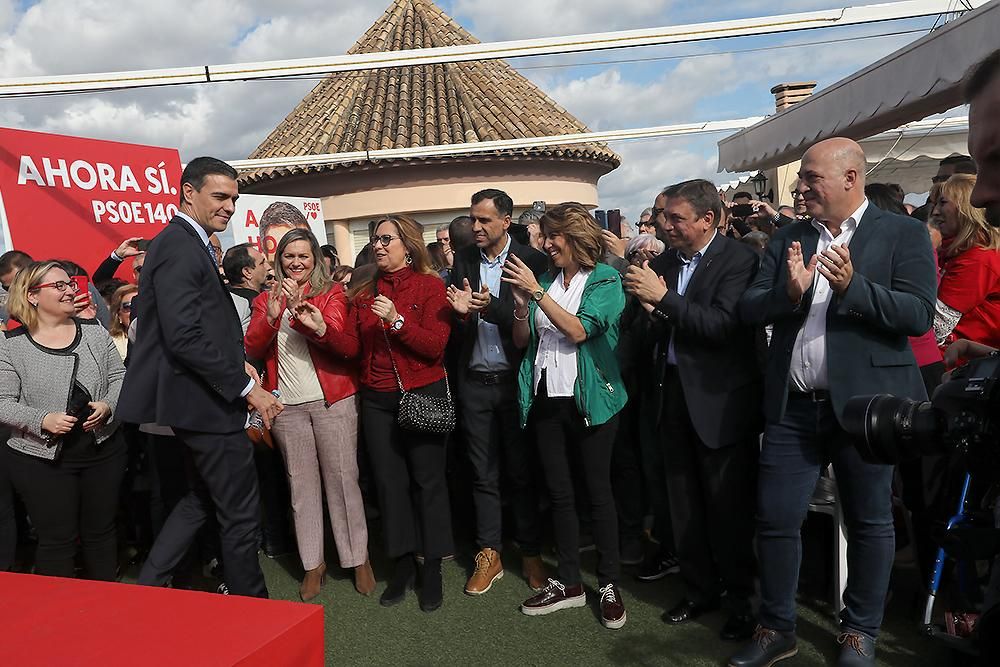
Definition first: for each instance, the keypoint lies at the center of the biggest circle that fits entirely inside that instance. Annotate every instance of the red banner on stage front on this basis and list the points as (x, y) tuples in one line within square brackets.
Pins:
[(53, 621), (72, 198)]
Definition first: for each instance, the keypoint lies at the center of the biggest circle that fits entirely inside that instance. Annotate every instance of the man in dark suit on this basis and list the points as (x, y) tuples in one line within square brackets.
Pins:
[(843, 291), (711, 414), (487, 388), (187, 371)]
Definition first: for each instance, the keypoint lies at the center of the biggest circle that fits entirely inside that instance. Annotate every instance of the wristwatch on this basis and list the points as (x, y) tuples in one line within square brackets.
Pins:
[(537, 295), (397, 323)]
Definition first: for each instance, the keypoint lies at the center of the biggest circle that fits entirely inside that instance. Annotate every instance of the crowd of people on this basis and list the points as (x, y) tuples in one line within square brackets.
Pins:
[(565, 381)]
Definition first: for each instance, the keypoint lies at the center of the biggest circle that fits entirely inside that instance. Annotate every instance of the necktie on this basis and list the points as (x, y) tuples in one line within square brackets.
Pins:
[(211, 254)]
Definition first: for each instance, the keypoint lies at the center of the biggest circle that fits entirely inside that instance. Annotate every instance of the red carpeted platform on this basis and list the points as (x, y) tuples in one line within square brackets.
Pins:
[(52, 621)]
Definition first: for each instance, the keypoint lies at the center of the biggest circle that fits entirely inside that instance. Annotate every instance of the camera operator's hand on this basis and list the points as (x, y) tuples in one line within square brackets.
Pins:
[(129, 248), (765, 208), (615, 244), (965, 349)]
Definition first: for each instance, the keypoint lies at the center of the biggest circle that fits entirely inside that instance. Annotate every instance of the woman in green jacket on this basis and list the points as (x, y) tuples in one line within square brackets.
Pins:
[(570, 386)]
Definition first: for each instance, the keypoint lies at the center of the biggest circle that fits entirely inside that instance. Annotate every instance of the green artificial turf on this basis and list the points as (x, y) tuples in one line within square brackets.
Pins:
[(490, 630)]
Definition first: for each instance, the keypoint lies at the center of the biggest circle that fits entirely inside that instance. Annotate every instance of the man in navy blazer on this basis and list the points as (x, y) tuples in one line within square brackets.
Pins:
[(843, 291), (187, 371)]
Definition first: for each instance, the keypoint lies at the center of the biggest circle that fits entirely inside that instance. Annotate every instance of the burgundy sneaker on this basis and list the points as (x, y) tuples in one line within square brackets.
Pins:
[(612, 607), (554, 597)]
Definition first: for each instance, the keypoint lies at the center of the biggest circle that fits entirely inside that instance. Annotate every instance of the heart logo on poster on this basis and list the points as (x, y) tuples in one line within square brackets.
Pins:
[(312, 214)]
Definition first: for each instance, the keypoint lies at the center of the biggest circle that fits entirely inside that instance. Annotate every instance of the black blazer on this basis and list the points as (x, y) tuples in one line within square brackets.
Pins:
[(186, 368), (501, 309), (717, 357), (891, 297)]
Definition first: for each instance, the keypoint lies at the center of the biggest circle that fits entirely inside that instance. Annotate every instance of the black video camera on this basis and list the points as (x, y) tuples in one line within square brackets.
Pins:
[(960, 417)]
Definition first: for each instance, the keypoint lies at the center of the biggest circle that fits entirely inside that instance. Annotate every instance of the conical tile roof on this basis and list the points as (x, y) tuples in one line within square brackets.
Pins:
[(421, 105)]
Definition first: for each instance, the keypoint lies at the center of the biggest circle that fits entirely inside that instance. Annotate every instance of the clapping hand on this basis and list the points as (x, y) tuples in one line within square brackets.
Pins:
[(465, 301), (292, 293), (518, 275), (274, 305), (384, 308), (835, 265), (311, 318), (800, 276), (644, 284)]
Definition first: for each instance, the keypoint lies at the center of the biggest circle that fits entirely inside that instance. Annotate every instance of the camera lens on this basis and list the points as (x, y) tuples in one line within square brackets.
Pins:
[(889, 428)]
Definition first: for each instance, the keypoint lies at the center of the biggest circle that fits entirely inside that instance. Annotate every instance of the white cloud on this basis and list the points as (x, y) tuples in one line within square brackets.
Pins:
[(608, 100), (492, 20)]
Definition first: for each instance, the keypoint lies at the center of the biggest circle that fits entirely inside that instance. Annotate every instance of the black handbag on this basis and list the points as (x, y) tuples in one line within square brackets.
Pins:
[(422, 412)]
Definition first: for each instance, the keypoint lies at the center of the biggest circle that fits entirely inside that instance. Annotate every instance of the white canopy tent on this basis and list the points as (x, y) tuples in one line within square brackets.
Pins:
[(908, 155), (921, 79)]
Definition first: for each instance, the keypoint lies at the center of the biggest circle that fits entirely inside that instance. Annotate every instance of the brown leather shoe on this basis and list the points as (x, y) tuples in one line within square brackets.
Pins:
[(312, 583), (488, 570), (534, 572), (364, 578), (554, 597)]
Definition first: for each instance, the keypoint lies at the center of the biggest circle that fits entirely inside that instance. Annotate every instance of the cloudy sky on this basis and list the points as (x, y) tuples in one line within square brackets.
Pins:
[(725, 79)]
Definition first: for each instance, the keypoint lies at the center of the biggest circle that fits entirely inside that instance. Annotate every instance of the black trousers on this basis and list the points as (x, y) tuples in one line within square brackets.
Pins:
[(8, 520), (626, 475), (75, 496), (226, 483), (490, 424), (275, 497), (712, 499), (409, 471), (562, 438), (654, 471)]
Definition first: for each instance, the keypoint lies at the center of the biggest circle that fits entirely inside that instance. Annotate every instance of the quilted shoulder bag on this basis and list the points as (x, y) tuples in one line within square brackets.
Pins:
[(422, 412)]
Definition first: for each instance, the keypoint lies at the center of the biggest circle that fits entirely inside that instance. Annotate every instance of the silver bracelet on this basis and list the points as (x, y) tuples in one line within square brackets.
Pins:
[(521, 319)]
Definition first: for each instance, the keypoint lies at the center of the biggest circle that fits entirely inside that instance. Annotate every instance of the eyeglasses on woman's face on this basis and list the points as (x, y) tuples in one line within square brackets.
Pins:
[(384, 240), (60, 286)]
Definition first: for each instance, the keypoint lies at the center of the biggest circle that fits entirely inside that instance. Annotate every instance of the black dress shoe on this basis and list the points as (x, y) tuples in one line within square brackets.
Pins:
[(766, 648), (687, 610), (738, 627)]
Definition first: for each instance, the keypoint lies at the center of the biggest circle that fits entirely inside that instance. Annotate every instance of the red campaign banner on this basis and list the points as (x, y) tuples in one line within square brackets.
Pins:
[(72, 198)]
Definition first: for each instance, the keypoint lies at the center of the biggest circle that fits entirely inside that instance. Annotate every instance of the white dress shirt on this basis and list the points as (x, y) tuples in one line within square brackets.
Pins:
[(556, 355), (808, 370)]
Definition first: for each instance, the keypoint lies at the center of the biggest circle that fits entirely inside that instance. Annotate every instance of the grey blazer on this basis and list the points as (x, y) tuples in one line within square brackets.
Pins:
[(35, 381), (891, 297)]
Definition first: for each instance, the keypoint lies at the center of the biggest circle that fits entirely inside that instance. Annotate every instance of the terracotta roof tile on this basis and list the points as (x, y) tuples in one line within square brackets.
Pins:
[(422, 105)]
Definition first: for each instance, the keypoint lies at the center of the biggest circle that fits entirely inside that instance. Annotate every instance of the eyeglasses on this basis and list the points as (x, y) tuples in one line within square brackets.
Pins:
[(385, 240), (60, 285), (653, 215), (126, 305)]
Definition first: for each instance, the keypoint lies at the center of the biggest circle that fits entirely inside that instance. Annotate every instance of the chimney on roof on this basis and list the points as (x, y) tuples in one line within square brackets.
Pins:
[(788, 94)]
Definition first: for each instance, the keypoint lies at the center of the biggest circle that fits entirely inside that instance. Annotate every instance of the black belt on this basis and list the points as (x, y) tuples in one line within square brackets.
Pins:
[(816, 395), (490, 378)]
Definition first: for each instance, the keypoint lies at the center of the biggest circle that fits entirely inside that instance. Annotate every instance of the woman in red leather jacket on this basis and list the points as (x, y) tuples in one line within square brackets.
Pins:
[(297, 329), (401, 314)]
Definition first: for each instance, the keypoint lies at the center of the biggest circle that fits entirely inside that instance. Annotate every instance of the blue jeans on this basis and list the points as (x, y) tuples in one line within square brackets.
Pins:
[(795, 451)]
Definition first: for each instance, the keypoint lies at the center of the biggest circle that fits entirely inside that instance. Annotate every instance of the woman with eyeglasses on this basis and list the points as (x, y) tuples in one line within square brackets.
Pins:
[(59, 382), (570, 386), (121, 316), (402, 320), (298, 329), (968, 303)]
